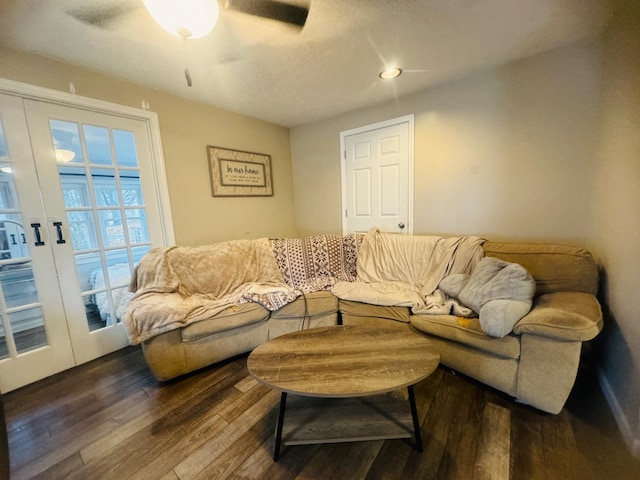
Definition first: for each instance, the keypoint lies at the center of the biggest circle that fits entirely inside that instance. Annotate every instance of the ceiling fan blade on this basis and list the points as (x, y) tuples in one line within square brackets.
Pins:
[(273, 9), (101, 16)]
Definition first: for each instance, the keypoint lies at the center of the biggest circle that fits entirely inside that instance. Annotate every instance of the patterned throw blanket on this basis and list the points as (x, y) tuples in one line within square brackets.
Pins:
[(317, 262)]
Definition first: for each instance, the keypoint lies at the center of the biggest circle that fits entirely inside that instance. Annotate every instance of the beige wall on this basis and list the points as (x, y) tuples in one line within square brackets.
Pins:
[(187, 128), (505, 153), (616, 224)]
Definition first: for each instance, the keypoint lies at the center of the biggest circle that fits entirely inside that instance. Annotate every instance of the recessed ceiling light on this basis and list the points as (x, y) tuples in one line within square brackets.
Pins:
[(389, 73)]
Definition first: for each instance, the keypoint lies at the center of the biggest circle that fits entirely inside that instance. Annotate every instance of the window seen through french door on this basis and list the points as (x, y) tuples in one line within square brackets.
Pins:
[(79, 207)]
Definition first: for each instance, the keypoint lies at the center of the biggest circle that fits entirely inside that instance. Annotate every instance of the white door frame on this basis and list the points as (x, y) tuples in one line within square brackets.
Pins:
[(343, 157), (33, 92)]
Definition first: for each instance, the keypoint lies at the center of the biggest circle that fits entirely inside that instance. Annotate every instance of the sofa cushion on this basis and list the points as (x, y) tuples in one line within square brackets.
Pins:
[(233, 317), (360, 309), (308, 305), (570, 316), (467, 331), (554, 267)]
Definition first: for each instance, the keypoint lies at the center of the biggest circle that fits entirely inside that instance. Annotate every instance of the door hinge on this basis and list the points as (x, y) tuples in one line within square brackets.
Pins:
[(345, 212), (344, 154)]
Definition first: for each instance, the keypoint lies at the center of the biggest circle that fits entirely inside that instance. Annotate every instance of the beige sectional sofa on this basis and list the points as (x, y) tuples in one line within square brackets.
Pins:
[(536, 363)]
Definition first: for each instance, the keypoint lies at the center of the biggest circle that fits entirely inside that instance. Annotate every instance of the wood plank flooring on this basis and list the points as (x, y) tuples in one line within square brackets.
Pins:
[(109, 419)]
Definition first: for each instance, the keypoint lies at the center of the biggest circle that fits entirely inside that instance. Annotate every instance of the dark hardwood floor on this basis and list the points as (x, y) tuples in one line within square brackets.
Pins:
[(109, 419)]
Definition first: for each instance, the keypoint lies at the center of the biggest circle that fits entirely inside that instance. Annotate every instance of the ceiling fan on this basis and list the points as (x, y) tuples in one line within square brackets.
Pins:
[(189, 19), (170, 14)]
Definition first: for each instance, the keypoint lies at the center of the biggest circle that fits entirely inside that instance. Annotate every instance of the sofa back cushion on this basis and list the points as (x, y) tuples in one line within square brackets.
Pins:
[(556, 268)]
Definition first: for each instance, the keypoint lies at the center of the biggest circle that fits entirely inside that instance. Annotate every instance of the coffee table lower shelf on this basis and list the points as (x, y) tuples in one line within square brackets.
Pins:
[(313, 420)]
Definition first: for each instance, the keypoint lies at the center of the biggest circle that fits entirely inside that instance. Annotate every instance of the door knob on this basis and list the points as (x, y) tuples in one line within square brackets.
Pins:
[(401, 225)]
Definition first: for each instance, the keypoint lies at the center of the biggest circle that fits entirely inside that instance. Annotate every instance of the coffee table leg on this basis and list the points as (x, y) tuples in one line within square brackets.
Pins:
[(416, 422), (276, 447)]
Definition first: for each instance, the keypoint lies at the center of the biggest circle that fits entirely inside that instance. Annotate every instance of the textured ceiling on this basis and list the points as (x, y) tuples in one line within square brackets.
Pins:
[(272, 71)]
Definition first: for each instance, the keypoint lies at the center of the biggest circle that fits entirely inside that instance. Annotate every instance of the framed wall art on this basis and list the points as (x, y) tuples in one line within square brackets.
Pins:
[(235, 173)]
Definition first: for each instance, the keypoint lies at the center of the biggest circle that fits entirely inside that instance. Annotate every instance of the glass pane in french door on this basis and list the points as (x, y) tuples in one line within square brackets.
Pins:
[(106, 214), (22, 327)]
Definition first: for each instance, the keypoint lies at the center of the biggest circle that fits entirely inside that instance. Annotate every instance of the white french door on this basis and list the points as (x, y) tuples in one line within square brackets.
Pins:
[(34, 341), (79, 209)]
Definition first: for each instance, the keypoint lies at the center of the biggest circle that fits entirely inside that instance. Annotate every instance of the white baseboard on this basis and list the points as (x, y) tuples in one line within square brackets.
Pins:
[(630, 437)]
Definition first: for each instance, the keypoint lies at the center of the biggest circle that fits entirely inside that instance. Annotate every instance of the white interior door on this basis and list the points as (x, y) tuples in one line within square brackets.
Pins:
[(81, 201), (378, 177)]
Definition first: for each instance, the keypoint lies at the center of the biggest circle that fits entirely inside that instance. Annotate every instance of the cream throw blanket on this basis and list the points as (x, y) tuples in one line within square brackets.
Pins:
[(177, 286), (406, 270)]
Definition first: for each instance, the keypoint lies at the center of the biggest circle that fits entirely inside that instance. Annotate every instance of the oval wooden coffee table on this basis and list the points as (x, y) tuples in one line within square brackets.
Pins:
[(345, 362)]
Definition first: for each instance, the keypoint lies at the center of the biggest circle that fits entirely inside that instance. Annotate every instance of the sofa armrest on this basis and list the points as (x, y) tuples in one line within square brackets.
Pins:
[(565, 316)]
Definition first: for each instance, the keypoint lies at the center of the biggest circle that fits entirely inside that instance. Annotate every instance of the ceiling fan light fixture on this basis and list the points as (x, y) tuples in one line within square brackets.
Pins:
[(64, 156), (185, 19), (389, 73)]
